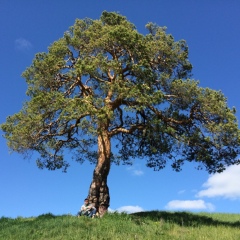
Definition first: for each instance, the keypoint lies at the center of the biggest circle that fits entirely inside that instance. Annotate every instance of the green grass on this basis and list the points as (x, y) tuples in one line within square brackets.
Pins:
[(113, 226)]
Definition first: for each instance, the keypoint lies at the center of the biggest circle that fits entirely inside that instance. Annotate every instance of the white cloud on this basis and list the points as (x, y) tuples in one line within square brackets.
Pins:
[(22, 44), (135, 172), (225, 184), (181, 191), (189, 205), (110, 210), (130, 209)]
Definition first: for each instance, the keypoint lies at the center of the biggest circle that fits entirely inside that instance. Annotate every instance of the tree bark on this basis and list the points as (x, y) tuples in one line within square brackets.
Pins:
[(99, 192)]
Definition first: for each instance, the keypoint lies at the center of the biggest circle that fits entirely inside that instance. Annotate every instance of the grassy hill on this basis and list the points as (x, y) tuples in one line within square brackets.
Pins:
[(143, 225)]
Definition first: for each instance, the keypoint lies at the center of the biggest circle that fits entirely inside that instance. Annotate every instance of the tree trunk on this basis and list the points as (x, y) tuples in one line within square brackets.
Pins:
[(98, 192)]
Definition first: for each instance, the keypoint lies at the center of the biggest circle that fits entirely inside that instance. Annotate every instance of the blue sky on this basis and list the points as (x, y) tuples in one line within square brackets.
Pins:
[(211, 29)]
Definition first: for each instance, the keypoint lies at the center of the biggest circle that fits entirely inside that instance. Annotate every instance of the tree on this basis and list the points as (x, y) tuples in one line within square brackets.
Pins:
[(104, 84)]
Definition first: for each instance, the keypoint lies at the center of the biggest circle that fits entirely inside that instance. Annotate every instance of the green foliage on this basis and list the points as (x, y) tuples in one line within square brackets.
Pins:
[(103, 75), (144, 225)]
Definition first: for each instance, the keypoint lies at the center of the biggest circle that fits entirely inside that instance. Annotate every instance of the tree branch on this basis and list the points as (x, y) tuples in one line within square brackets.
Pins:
[(127, 131)]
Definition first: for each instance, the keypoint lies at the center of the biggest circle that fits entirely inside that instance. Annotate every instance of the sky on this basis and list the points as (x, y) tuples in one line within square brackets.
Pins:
[(211, 29)]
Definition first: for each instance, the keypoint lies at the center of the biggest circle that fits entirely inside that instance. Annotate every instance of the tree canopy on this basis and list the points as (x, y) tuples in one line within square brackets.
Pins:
[(110, 94)]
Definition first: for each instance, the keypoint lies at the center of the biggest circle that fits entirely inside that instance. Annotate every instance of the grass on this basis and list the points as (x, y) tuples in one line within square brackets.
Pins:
[(113, 226)]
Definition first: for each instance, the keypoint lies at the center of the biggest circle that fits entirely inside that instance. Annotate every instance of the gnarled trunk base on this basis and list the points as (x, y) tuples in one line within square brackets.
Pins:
[(99, 196), (99, 192)]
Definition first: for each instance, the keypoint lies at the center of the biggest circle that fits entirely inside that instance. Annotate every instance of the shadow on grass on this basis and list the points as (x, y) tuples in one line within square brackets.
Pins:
[(183, 219), (46, 216)]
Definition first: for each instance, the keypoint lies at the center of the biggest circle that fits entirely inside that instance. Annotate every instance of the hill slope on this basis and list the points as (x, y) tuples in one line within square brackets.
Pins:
[(143, 225)]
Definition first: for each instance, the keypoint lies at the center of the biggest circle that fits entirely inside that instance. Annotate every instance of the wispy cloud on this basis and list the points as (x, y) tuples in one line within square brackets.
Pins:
[(22, 44), (189, 205), (138, 172), (225, 184), (181, 191), (130, 209), (135, 171)]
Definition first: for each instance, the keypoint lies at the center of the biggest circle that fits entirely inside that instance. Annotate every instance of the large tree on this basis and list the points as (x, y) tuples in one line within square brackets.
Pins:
[(110, 94)]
